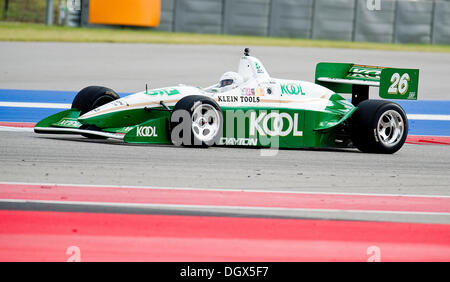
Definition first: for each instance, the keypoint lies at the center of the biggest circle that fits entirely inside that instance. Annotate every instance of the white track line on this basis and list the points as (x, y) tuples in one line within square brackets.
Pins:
[(224, 190), (428, 117), (35, 105), (16, 129)]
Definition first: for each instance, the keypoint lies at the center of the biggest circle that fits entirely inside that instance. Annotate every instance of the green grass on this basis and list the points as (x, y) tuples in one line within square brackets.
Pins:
[(26, 10), (10, 31)]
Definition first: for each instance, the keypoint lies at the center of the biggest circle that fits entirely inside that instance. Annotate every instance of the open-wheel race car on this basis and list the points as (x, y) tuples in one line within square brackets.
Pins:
[(250, 108)]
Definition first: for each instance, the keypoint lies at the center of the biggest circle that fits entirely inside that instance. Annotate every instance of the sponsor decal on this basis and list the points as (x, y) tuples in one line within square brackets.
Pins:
[(68, 122), (115, 103), (237, 99), (246, 99), (118, 102), (291, 88), (364, 73), (238, 141), (259, 91), (258, 68), (228, 99), (253, 91), (146, 131), (122, 130), (260, 124), (168, 91)]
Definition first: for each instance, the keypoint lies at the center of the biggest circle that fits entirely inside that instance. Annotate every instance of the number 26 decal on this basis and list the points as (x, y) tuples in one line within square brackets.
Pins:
[(399, 84)]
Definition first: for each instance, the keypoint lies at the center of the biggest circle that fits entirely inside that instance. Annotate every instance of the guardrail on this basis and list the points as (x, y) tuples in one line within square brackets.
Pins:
[(388, 21)]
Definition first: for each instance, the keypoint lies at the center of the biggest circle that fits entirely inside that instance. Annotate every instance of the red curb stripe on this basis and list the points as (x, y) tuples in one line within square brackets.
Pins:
[(46, 236), (417, 139), (224, 198), (18, 124)]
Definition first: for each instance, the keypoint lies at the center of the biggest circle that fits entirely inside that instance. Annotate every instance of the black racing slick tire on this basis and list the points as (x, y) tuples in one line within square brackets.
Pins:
[(93, 97), (196, 121), (90, 98), (379, 126)]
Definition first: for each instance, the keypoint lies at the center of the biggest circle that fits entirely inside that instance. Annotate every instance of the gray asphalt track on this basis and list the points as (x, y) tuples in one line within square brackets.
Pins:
[(414, 170), (32, 158)]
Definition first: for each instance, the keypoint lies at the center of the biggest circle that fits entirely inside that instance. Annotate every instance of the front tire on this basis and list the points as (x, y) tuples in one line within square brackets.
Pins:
[(90, 98), (379, 127), (93, 97), (196, 121)]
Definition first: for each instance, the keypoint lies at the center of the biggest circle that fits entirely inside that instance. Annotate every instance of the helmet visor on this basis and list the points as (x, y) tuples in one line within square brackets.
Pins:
[(226, 82)]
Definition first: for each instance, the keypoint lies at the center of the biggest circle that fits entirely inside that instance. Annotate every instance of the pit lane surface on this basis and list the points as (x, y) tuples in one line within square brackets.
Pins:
[(50, 159)]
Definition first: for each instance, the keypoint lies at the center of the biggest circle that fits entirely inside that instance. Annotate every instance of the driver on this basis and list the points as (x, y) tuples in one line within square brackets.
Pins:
[(230, 80)]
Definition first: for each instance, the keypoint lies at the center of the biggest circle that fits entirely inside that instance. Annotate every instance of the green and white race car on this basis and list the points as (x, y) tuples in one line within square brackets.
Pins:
[(250, 108)]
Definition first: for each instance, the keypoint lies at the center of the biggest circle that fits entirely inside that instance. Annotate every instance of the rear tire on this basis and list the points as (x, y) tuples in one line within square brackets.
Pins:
[(379, 126), (90, 98)]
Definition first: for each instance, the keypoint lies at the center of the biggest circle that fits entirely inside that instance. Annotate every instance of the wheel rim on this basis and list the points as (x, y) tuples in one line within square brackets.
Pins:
[(390, 128), (205, 122)]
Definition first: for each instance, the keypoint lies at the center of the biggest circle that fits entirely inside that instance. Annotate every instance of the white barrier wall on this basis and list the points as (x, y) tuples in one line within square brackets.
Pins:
[(167, 15), (399, 21), (248, 17), (333, 19), (441, 23), (413, 22), (199, 16), (374, 25), (291, 18)]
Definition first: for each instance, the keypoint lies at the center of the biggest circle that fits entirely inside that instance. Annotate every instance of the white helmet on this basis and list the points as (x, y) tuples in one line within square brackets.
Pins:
[(230, 78)]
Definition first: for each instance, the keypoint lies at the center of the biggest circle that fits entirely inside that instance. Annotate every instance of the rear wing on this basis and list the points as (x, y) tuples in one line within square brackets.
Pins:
[(356, 79)]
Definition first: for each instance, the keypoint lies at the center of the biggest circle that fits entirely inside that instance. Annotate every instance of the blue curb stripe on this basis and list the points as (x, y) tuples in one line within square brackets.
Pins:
[(10, 114), (40, 96)]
